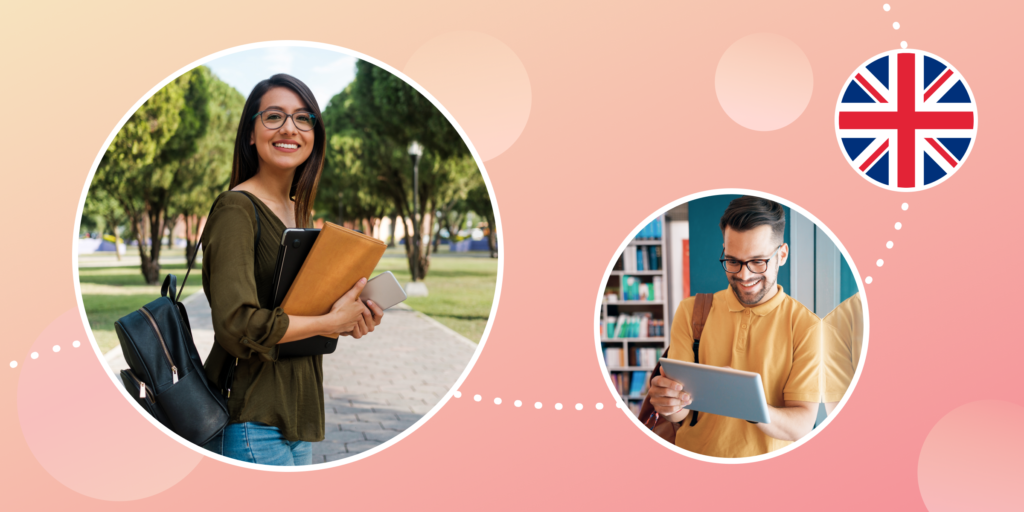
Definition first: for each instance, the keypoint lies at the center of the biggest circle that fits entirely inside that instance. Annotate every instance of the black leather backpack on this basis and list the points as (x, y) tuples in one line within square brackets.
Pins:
[(165, 374)]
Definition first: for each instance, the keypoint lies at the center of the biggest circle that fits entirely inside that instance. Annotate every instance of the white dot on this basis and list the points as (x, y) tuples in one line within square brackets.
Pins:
[(905, 206), (899, 226), (886, 7), (518, 403), (888, 245), (537, 405), (896, 25), (868, 280), (879, 263), (558, 407), (35, 355), (477, 397), (599, 406), (76, 344), (56, 348), (497, 401), (903, 44), (14, 364), (579, 407), (458, 394)]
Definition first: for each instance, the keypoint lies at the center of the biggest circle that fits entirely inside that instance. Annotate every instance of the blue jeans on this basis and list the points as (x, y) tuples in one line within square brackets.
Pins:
[(260, 443)]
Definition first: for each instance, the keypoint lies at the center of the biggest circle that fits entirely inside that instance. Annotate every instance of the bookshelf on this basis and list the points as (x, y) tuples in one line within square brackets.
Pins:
[(643, 264)]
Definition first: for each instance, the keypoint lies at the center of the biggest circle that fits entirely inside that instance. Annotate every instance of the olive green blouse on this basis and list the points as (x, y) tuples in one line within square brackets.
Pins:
[(287, 393)]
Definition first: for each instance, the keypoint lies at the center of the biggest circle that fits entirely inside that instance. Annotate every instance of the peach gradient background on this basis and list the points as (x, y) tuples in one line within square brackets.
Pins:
[(623, 118)]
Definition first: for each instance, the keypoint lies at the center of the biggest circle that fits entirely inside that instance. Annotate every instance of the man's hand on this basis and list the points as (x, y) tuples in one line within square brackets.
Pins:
[(668, 398)]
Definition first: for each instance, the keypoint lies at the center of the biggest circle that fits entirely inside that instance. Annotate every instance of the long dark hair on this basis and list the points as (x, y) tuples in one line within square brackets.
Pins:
[(246, 162)]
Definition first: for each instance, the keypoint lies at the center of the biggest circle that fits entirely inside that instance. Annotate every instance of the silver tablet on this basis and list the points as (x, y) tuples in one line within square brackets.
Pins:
[(721, 391)]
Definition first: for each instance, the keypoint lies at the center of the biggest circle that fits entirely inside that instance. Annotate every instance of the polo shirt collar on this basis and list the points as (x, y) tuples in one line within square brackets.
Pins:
[(761, 309)]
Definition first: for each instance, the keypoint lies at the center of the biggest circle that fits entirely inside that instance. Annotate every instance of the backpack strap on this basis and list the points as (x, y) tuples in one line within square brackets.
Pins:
[(701, 310), (199, 244)]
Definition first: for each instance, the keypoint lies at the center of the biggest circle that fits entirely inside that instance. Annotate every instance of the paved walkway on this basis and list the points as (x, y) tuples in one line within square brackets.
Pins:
[(374, 387)]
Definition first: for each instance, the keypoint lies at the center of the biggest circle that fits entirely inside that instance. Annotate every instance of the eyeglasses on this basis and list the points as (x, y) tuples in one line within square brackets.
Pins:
[(756, 266), (274, 119)]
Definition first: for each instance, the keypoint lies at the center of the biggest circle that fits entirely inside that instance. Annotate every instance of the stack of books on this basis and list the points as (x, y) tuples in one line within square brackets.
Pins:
[(627, 326), (651, 231), (634, 289), (643, 257), (631, 385)]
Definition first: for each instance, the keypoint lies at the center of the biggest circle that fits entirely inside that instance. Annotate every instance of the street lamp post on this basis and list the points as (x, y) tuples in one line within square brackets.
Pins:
[(416, 287)]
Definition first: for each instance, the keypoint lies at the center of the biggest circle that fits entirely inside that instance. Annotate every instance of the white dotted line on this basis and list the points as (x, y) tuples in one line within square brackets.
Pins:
[(895, 26), (56, 348), (888, 245), (519, 403)]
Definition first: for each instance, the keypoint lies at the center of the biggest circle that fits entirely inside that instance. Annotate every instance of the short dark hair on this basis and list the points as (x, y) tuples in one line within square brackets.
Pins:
[(748, 212)]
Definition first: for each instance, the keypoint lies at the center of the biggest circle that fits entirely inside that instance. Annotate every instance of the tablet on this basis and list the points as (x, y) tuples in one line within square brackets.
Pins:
[(295, 246), (721, 391)]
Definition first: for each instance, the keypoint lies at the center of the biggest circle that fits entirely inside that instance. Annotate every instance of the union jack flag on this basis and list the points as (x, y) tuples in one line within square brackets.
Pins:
[(906, 120)]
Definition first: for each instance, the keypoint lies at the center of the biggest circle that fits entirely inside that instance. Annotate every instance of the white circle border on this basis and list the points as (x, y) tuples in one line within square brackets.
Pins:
[(619, 403), (497, 287)]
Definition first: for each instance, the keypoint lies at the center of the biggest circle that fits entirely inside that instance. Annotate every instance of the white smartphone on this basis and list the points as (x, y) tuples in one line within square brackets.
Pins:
[(384, 290)]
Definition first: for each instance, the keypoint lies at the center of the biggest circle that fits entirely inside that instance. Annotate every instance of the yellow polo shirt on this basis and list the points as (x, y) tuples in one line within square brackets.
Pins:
[(843, 337), (780, 340)]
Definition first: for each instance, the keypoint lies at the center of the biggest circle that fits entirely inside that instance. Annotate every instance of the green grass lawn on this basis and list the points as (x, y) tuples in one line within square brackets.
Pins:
[(461, 292), (112, 292)]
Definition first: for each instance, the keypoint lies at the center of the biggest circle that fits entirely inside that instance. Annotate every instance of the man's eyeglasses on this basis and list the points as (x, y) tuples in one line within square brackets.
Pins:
[(274, 119), (756, 266)]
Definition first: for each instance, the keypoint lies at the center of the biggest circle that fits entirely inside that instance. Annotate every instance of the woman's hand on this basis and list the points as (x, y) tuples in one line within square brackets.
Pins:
[(348, 314)]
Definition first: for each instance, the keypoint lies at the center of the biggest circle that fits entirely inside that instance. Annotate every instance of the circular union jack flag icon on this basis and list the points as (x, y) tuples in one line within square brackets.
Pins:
[(906, 120)]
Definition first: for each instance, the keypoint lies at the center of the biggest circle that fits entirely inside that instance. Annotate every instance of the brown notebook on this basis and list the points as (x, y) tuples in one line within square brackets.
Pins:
[(338, 259)]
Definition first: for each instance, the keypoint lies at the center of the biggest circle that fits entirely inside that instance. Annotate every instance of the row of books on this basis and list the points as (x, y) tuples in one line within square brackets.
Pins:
[(642, 257), (616, 357), (634, 289), (631, 384), (652, 231), (639, 325)]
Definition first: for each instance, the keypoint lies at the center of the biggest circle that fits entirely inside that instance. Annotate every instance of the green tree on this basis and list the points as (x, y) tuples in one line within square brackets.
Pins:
[(369, 170), (99, 205), (140, 168), (478, 200)]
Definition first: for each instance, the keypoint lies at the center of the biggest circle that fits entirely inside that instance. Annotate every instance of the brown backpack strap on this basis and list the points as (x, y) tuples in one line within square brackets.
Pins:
[(701, 310)]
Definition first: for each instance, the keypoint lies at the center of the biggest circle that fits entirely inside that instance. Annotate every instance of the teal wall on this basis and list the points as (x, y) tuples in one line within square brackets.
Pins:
[(847, 284), (706, 273)]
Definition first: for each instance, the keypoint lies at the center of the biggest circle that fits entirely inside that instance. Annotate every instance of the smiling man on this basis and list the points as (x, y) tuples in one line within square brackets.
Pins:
[(753, 326)]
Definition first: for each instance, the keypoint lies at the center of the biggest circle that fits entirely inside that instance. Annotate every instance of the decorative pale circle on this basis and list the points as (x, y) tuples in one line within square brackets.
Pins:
[(76, 344), (905, 206), (34, 355), (599, 406), (481, 81), (899, 226), (879, 263), (538, 405), (886, 7), (14, 364), (518, 403), (896, 25), (764, 82), (579, 407), (906, 120), (558, 407), (868, 279), (888, 245), (477, 398), (457, 394), (56, 348), (903, 44), (80, 457), (497, 401), (971, 459)]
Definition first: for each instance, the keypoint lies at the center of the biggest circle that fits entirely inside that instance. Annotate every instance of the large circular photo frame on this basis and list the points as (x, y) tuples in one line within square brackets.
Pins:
[(654, 270), (473, 238)]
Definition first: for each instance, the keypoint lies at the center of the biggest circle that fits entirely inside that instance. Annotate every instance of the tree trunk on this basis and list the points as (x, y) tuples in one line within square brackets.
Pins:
[(391, 237), (492, 236), (151, 267)]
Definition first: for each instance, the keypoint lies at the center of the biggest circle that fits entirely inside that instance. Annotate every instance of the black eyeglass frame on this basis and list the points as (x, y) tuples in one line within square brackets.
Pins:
[(311, 115), (748, 262)]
